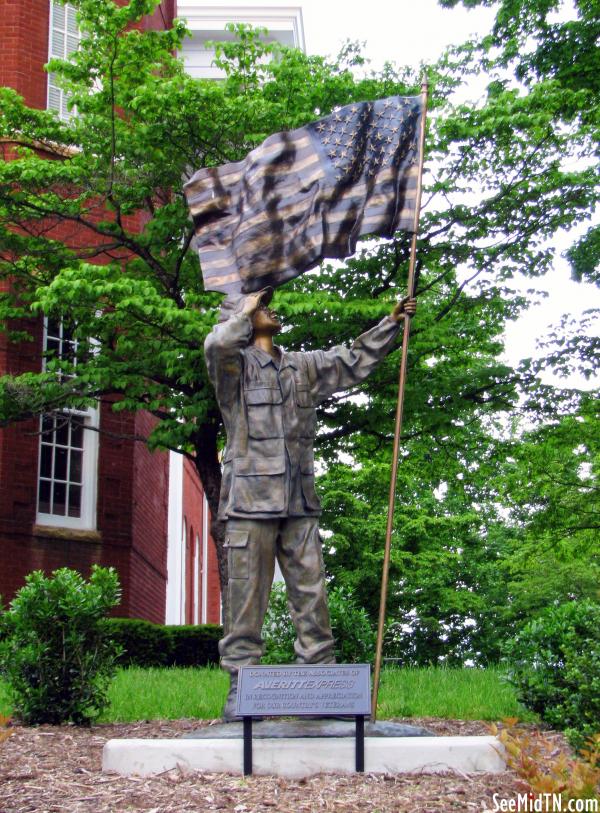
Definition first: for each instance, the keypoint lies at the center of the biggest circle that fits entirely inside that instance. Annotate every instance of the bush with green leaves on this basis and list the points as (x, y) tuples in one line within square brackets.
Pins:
[(352, 631), (194, 645), (554, 664), (58, 655), (143, 643)]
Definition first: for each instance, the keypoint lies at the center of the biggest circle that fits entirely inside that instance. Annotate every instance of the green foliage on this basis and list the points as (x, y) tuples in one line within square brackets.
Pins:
[(547, 770), (505, 173), (146, 644), (142, 643), (554, 663), (352, 631), (58, 655), (195, 645)]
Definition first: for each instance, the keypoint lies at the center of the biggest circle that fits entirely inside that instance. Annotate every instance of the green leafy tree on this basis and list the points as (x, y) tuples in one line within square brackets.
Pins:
[(496, 190)]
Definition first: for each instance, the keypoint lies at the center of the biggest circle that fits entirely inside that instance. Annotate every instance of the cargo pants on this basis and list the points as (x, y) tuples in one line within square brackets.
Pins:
[(253, 546)]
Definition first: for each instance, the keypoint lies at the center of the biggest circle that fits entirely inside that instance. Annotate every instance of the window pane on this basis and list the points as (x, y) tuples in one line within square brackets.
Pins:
[(75, 472), (44, 503), (60, 493), (58, 15), (77, 433), (71, 19), (47, 428), (46, 461), (52, 347), (74, 501), (62, 431), (53, 95), (69, 350), (58, 44), (60, 463), (52, 325)]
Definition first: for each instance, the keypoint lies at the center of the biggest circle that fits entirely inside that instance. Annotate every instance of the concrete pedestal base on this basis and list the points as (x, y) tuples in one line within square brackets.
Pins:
[(296, 757)]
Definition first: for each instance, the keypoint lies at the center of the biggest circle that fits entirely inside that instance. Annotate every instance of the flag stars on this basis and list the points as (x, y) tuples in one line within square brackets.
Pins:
[(362, 138)]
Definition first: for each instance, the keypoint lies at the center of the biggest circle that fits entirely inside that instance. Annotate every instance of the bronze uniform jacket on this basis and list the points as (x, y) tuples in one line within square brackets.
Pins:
[(268, 408)]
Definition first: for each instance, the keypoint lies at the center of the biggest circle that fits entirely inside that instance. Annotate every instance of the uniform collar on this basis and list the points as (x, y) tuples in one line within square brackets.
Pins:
[(264, 358)]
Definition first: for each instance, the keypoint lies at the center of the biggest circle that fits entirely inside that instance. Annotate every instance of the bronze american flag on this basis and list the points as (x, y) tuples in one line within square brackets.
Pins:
[(307, 194)]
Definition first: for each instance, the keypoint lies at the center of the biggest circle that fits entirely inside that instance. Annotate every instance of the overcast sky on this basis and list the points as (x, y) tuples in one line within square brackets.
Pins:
[(401, 31), (408, 33)]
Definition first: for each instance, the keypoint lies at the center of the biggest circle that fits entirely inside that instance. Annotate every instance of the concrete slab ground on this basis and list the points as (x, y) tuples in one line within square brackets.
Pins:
[(297, 757)]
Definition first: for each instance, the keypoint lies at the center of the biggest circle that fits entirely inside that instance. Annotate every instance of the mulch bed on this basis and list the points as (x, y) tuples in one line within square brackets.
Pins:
[(51, 769)]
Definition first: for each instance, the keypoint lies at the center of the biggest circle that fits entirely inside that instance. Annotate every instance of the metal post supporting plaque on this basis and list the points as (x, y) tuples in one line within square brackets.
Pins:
[(247, 746), (360, 743)]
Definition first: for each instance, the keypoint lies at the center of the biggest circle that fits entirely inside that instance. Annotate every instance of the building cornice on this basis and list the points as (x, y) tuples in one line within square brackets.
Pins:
[(274, 18)]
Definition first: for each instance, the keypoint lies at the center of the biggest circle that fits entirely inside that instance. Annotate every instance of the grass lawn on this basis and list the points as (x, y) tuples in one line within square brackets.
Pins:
[(468, 694), (463, 694)]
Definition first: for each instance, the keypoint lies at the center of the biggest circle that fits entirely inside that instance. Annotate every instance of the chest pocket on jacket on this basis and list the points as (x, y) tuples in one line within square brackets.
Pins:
[(307, 417), (264, 412)]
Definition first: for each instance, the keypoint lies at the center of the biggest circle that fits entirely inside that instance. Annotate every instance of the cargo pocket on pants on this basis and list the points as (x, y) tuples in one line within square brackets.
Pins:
[(238, 561)]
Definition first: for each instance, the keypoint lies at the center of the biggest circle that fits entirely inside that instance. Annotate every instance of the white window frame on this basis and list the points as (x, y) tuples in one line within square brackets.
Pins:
[(89, 465), (183, 573), (204, 560), (64, 38)]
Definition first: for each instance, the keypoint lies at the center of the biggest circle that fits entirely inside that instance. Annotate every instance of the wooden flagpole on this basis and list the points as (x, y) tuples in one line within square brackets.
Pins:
[(399, 410)]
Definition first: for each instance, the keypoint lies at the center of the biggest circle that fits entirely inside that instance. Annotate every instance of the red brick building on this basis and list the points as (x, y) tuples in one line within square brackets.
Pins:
[(70, 495)]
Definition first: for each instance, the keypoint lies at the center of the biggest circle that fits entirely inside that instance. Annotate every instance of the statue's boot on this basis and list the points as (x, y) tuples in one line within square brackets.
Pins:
[(229, 715)]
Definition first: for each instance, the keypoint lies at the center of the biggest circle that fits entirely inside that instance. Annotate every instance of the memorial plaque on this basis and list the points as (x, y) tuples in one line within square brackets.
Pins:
[(328, 689)]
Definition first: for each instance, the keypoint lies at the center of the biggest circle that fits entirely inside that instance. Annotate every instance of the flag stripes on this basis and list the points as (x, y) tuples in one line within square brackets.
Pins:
[(307, 194)]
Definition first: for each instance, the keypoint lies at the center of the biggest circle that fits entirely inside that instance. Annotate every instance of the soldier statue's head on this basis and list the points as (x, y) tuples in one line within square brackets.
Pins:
[(264, 319)]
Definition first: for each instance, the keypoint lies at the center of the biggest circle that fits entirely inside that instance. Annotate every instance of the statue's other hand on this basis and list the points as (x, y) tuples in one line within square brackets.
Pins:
[(251, 303), (408, 305)]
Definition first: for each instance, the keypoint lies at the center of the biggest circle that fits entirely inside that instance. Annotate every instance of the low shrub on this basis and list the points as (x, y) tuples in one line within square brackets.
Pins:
[(57, 654), (554, 664), (142, 642), (195, 645), (549, 771), (352, 631), (146, 644)]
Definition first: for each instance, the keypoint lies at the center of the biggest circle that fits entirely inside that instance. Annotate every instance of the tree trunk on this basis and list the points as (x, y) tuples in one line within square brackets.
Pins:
[(209, 469)]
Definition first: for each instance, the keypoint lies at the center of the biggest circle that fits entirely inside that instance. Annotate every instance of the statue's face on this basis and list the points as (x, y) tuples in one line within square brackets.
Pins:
[(266, 320)]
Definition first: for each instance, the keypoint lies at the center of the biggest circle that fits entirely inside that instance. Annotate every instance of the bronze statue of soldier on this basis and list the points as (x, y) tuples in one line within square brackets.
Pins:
[(268, 501)]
